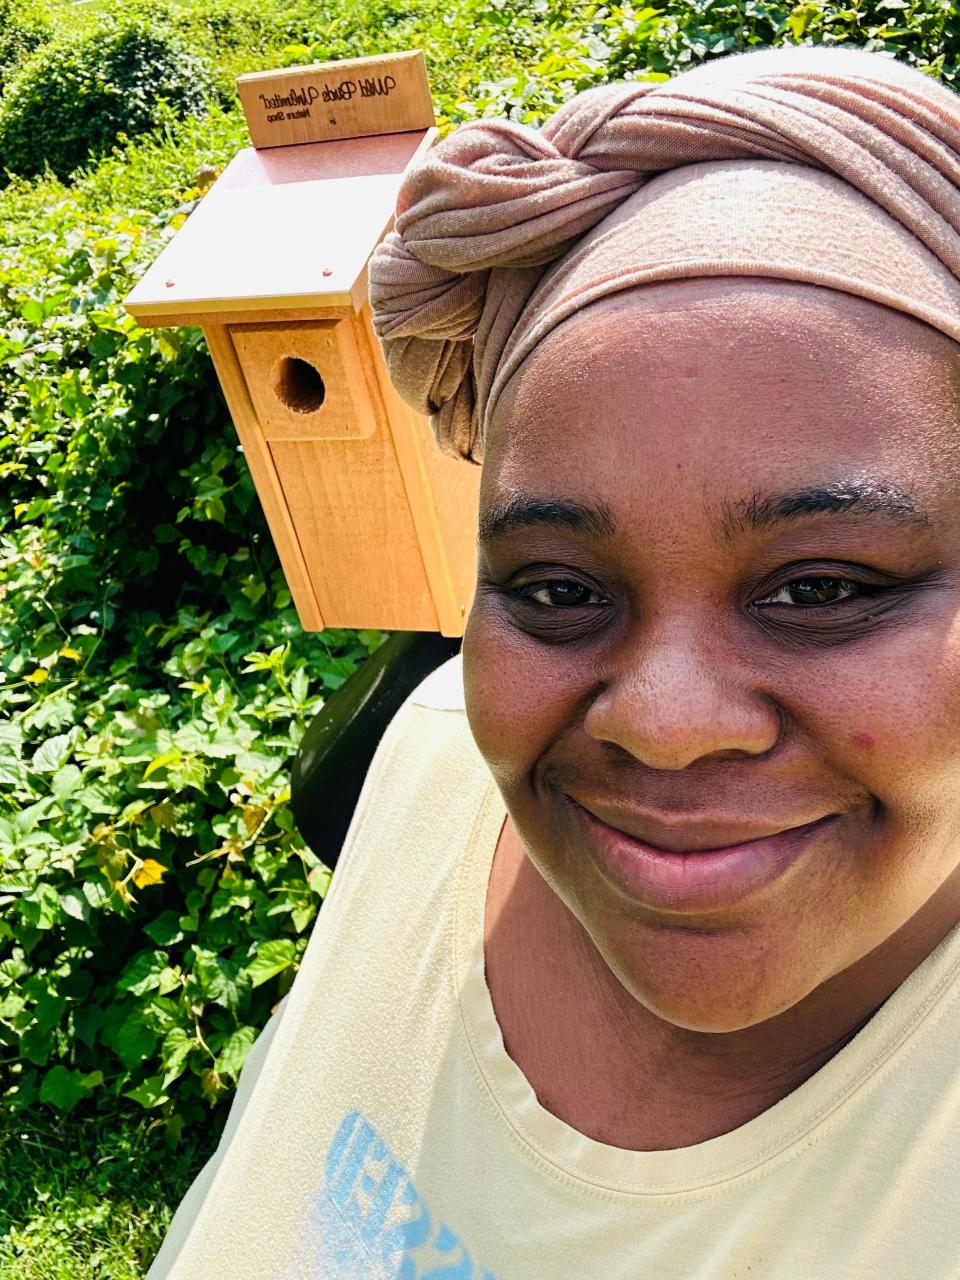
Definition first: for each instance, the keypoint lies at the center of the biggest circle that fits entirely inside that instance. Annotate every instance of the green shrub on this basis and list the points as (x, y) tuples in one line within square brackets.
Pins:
[(241, 35), (23, 28), (637, 40), (71, 99), (154, 685)]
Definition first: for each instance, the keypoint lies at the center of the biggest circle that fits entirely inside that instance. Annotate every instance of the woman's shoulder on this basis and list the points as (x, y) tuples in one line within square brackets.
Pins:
[(442, 690), (430, 724), (427, 765), (428, 749)]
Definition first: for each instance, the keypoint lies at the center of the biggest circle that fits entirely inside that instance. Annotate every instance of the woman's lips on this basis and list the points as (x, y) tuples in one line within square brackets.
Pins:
[(704, 879)]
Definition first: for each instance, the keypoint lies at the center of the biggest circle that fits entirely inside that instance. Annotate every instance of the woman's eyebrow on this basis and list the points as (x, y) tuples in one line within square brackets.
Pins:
[(762, 511), (594, 519)]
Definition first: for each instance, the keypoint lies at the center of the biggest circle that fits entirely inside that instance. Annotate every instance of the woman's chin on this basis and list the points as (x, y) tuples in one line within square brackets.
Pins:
[(731, 994), (715, 1021)]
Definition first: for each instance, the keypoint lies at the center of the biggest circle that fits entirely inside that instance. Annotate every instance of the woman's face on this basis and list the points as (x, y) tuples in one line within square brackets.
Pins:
[(714, 656)]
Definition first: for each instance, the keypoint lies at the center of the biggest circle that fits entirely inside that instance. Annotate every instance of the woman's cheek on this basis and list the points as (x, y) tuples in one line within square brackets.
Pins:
[(492, 679), (888, 717), (514, 699)]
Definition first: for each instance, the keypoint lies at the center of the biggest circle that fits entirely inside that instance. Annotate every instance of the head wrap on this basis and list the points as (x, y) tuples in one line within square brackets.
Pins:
[(834, 167)]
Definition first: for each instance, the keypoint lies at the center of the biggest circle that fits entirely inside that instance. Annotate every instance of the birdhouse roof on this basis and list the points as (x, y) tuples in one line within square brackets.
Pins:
[(286, 229)]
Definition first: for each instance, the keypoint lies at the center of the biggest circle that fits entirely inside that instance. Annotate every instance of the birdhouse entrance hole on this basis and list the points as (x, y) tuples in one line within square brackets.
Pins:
[(299, 385)]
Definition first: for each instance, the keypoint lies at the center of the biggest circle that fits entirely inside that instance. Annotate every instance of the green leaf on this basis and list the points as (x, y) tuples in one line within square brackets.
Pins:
[(192, 773), (144, 973), (98, 797), (41, 907), (53, 753), (48, 1010), (302, 914), (175, 1049), (11, 772), (63, 1089), (260, 765), (65, 780), (165, 929), (162, 762), (150, 1093), (36, 1045), (173, 1128), (270, 959), (319, 880), (227, 983), (87, 1020), (132, 1041), (234, 1050), (74, 904), (12, 968), (95, 893), (32, 310)]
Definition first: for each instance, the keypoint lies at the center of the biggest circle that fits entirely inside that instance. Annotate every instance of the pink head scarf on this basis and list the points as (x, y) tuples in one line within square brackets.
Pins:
[(834, 167)]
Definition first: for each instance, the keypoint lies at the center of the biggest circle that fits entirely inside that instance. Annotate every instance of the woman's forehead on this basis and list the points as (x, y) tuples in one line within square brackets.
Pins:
[(736, 387), (678, 324)]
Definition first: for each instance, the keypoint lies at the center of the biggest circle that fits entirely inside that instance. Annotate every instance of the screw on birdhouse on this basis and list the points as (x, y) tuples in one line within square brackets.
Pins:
[(328, 271), (169, 283)]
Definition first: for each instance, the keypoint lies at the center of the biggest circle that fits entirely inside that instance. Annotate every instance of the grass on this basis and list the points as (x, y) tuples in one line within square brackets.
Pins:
[(89, 1199)]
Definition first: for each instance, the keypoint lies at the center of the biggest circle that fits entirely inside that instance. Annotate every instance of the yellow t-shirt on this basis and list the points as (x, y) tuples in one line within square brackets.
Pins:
[(382, 1132)]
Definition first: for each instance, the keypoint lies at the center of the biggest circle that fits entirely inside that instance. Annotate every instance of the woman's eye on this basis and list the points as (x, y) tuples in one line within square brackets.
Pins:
[(559, 593), (813, 591), (555, 610)]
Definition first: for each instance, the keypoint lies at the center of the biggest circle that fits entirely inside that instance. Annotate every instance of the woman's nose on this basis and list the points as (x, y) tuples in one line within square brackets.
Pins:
[(678, 698)]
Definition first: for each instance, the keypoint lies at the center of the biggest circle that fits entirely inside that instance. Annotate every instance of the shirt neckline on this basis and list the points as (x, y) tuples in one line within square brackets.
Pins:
[(709, 1168)]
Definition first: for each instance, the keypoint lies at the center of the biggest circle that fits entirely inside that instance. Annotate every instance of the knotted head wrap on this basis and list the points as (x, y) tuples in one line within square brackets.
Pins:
[(834, 167)]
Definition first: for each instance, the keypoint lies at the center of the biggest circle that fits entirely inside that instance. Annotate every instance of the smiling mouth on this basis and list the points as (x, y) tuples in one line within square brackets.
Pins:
[(691, 870), (696, 837)]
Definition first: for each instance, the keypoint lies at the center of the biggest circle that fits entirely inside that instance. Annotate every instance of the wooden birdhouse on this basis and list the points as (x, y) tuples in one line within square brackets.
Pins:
[(374, 526)]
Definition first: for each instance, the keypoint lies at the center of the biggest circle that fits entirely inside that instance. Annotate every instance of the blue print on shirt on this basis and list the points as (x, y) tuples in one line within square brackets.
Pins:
[(369, 1222)]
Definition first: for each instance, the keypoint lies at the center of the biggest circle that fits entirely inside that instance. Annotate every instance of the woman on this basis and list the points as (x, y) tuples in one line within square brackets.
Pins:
[(641, 958)]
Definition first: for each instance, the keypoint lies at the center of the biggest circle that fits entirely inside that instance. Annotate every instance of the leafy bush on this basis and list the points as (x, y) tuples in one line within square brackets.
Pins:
[(73, 98), (23, 28), (244, 33), (640, 40), (154, 895)]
